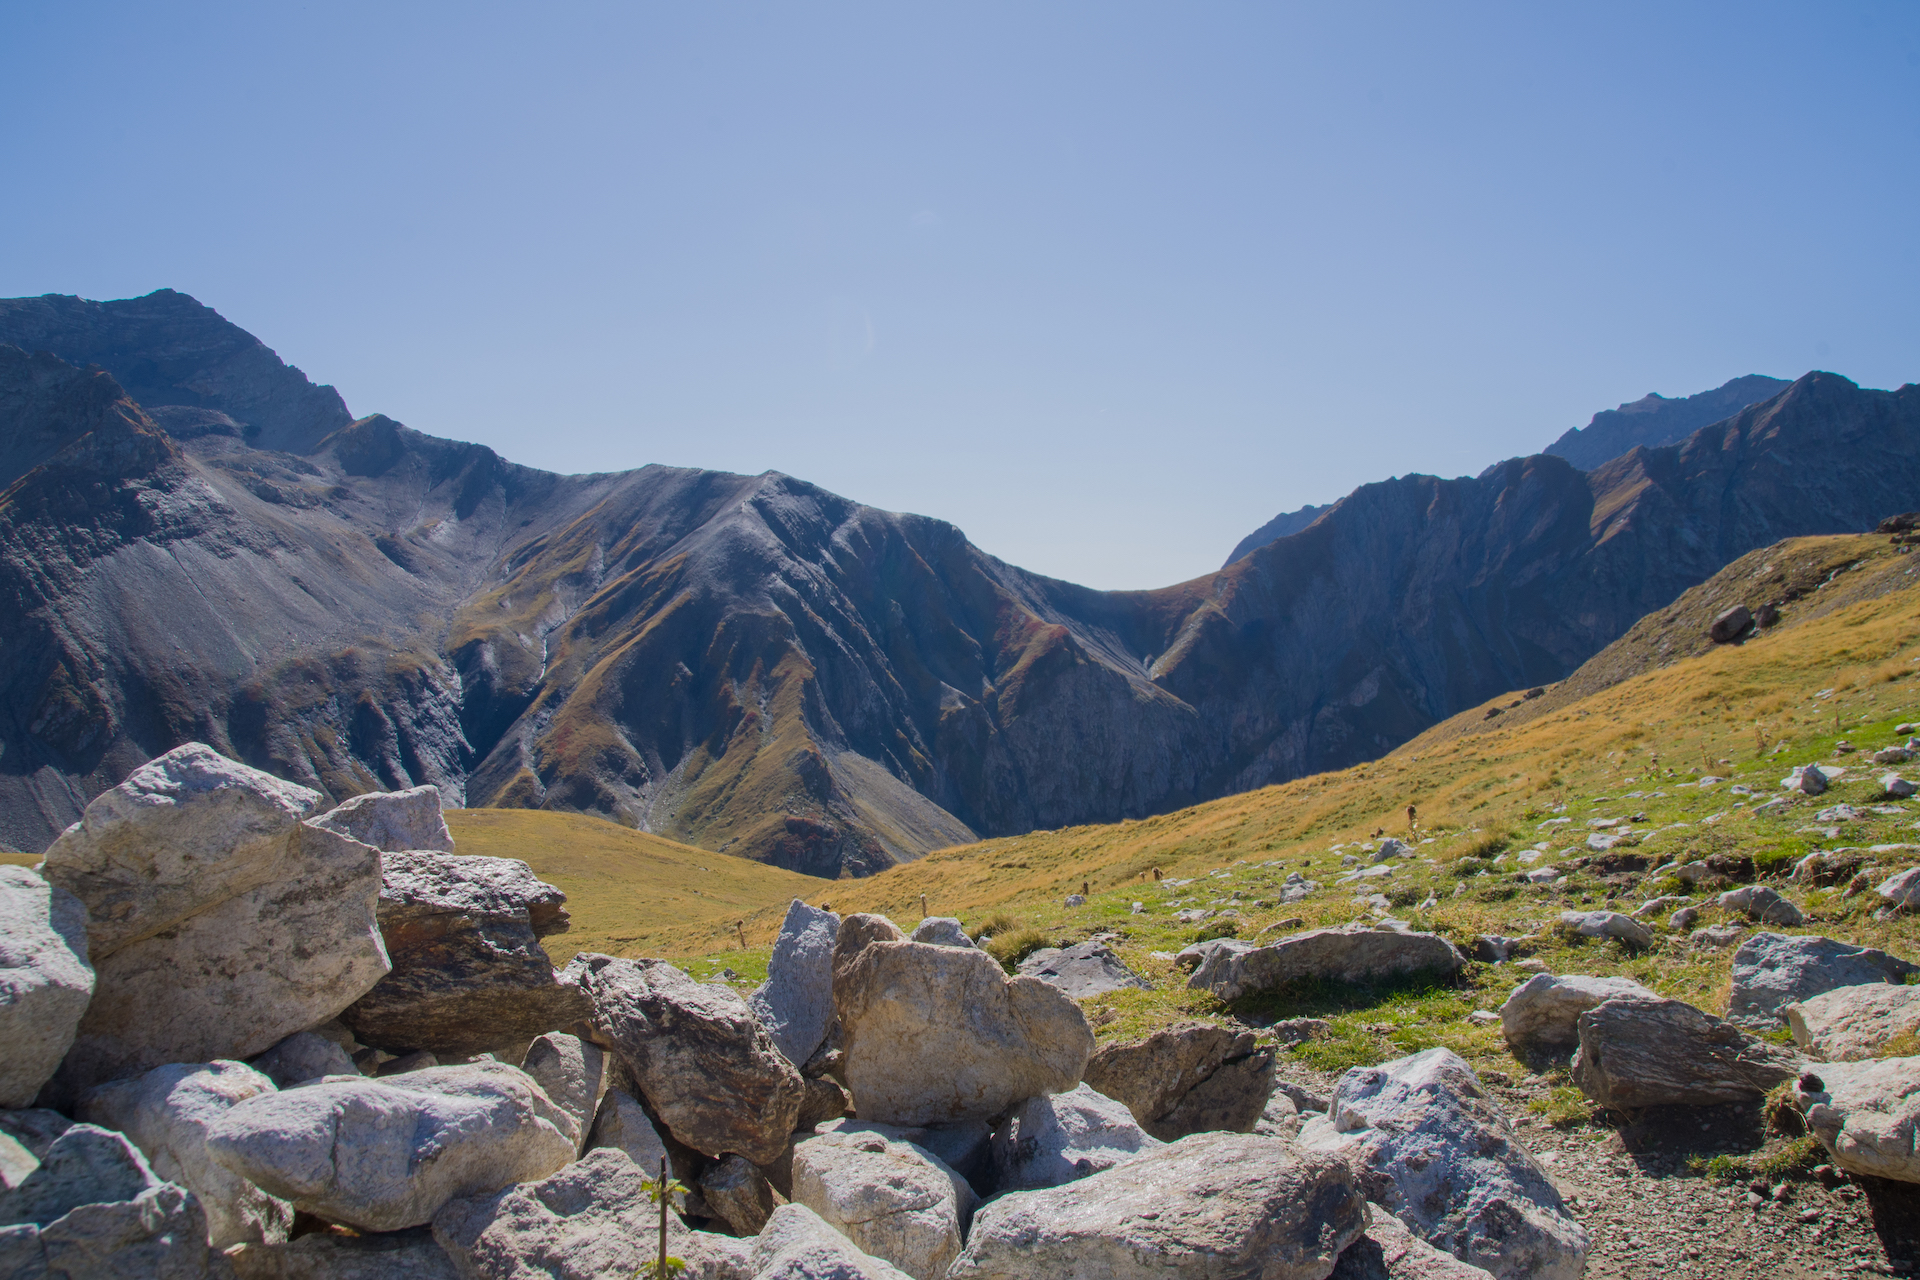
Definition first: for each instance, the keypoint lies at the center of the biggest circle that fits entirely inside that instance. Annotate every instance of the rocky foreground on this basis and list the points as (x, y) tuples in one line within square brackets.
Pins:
[(242, 1037)]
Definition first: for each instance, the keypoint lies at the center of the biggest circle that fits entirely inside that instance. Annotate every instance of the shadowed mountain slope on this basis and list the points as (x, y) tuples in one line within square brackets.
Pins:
[(1281, 526), (755, 665)]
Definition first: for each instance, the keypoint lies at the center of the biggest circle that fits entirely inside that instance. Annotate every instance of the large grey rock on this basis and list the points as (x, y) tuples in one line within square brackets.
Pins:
[(45, 980), (219, 923), (1543, 1013), (469, 973), (795, 1003), (1758, 902), (400, 1255), (1187, 1078), (1648, 1053), (1432, 1147), (1388, 1251), (1773, 970), (85, 1164), (393, 821), (1083, 970), (303, 1056), (1213, 1206), (1850, 1024), (964, 1146), (592, 1220), (159, 1234), (623, 1124), (1606, 924), (893, 1199), (571, 1072), (1060, 1137), (941, 931), (1866, 1114), (937, 1034), (168, 1113), (380, 1155), (739, 1194), (709, 1070), (1231, 968), (796, 1244)]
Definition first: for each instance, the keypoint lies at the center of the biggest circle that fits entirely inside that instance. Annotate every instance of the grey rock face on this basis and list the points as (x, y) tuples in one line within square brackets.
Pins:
[(941, 931), (589, 1221), (381, 1155), (795, 1003), (1850, 1024), (1773, 970), (45, 980), (1390, 1252), (1058, 1138), (1865, 1115), (1544, 1011), (797, 1245), (303, 1056), (1757, 902), (85, 1164), (403, 1255), (572, 1073), (159, 1234), (168, 1113), (1209, 1207), (624, 1125), (1436, 1151), (965, 1146), (938, 1034), (1083, 970), (707, 1067), (1186, 1078), (1647, 1053), (892, 1199), (1606, 924), (1230, 968), (393, 821), (469, 974), (739, 1193)]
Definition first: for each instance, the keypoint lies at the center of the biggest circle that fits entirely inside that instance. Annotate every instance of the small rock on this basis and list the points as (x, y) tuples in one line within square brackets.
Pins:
[(1894, 785), (398, 1255), (1544, 1012), (393, 821), (1684, 919), (941, 931), (797, 1245), (572, 1073), (1716, 937), (85, 1164), (795, 1003), (623, 1125), (1606, 924), (303, 1056), (1058, 1138), (1186, 1077), (1083, 970), (1807, 779), (1730, 624), (1388, 1251), (1654, 906), (739, 1193), (1757, 902), (1647, 1053), (1075, 900)]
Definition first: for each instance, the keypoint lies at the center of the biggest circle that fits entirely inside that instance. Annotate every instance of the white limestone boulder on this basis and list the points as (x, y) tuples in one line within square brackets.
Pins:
[(168, 1113), (623, 1124), (1191, 1077), (393, 821), (1440, 1155), (1866, 1114), (892, 1199), (1083, 970), (1605, 924), (381, 1155), (1758, 902), (1060, 1137), (797, 1245), (1774, 970), (572, 1073), (1543, 1013), (45, 980), (1852, 1024), (941, 931), (795, 1003)]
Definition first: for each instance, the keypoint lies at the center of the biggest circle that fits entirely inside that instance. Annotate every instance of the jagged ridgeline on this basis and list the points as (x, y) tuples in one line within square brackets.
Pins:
[(198, 544)]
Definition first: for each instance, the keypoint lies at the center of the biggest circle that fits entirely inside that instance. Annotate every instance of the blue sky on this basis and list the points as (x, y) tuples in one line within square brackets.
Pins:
[(1105, 284)]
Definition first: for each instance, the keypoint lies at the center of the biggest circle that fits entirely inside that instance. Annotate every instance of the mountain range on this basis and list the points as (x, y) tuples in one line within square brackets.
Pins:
[(196, 542)]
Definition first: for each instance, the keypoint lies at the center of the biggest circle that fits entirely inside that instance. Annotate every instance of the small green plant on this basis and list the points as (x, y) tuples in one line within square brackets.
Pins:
[(661, 1191), (1217, 929), (993, 926), (1564, 1107)]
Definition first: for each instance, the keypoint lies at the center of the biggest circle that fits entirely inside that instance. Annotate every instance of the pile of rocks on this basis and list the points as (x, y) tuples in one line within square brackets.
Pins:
[(240, 1037)]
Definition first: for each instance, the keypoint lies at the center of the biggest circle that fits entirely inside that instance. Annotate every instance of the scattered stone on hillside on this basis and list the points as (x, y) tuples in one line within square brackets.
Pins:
[(797, 1245), (1606, 924), (1653, 907), (1839, 813), (1849, 1024), (1807, 779), (893, 1199), (1388, 1251), (1075, 900), (709, 1071), (572, 1073), (1895, 754), (1894, 785), (1730, 624), (1352, 953), (325, 1255), (168, 1113), (1716, 937), (937, 1034), (380, 1155), (739, 1194), (1083, 970), (1824, 868), (1902, 890), (1773, 970), (795, 1003), (1544, 1011), (624, 1125), (941, 931), (393, 821), (591, 1220), (1494, 948), (1437, 1152), (93, 1209), (1210, 1205), (1057, 1138), (1291, 1031), (469, 973), (1158, 1078), (1757, 902), (1685, 918), (45, 980), (303, 1056), (219, 922), (1863, 1114), (1650, 1053), (1391, 848)]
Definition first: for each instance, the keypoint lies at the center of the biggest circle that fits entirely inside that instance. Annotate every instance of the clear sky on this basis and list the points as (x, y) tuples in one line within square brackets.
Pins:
[(1106, 284)]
